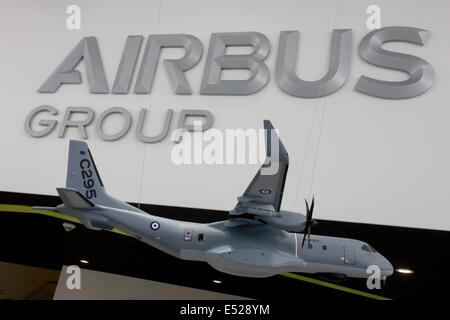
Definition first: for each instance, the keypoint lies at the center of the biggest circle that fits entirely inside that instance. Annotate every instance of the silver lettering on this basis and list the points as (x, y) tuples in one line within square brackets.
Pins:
[(338, 69), (420, 71), (127, 64), (49, 124), (121, 133), (217, 61), (160, 136), (86, 49), (67, 122), (175, 68)]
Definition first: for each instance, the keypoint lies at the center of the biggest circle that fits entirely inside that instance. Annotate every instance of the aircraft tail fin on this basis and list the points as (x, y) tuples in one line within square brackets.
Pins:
[(83, 182), (82, 173)]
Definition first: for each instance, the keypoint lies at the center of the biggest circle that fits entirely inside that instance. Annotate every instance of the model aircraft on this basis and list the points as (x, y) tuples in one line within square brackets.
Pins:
[(258, 240)]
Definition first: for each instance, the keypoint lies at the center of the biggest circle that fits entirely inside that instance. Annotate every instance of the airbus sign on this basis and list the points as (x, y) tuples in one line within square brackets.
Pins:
[(421, 74), (420, 71)]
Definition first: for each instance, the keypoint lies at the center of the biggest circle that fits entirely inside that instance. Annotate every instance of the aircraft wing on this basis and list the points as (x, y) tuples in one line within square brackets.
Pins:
[(265, 192)]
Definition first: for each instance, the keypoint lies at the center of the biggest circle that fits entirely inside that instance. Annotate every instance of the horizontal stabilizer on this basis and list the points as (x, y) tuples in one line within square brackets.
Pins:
[(72, 198), (44, 208)]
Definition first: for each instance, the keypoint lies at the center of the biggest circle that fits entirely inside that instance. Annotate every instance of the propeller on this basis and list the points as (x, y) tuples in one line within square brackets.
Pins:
[(309, 222)]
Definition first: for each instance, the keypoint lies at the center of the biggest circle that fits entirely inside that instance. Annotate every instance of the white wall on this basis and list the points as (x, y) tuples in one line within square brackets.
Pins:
[(379, 161)]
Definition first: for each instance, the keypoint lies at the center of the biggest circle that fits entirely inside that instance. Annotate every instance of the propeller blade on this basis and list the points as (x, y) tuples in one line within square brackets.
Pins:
[(307, 208), (309, 212), (303, 242), (309, 222), (309, 237)]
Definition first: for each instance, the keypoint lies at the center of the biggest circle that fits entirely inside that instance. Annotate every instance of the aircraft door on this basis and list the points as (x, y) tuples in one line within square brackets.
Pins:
[(349, 255)]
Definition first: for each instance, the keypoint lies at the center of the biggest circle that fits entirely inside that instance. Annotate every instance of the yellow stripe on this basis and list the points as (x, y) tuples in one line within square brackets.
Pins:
[(28, 209), (333, 286)]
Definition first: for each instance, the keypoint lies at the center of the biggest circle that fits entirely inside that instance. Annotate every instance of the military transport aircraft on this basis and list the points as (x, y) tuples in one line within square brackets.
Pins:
[(258, 240)]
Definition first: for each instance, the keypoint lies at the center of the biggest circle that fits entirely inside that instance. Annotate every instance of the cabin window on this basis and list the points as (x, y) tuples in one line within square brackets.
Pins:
[(200, 237), (324, 247), (365, 248)]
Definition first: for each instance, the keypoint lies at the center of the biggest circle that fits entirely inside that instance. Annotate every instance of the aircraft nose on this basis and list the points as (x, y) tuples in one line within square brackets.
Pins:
[(386, 268)]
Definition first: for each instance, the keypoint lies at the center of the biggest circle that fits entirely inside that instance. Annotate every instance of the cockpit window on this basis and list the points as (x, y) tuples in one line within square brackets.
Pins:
[(366, 247)]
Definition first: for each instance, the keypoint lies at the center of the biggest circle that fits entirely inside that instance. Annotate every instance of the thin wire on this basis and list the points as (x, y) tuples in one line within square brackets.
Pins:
[(337, 19), (304, 156), (324, 108), (317, 149), (148, 112)]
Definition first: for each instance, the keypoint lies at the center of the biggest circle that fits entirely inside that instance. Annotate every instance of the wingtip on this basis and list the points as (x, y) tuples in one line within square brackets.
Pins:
[(268, 124), (77, 142)]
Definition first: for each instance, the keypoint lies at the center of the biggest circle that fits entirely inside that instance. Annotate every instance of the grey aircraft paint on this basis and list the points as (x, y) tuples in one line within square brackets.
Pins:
[(259, 239)]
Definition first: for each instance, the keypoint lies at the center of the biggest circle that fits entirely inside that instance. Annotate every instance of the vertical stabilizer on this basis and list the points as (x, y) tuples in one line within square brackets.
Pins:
[(83, 176)]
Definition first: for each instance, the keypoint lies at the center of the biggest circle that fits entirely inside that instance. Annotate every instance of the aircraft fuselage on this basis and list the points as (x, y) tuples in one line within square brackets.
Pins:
[(239, 246)]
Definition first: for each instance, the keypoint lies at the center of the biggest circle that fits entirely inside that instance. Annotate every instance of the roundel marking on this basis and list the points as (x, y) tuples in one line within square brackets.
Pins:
[(154, 225), (265, 191)]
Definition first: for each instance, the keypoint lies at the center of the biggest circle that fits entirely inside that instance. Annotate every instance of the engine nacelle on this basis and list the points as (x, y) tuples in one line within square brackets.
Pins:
[(285, 220)]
